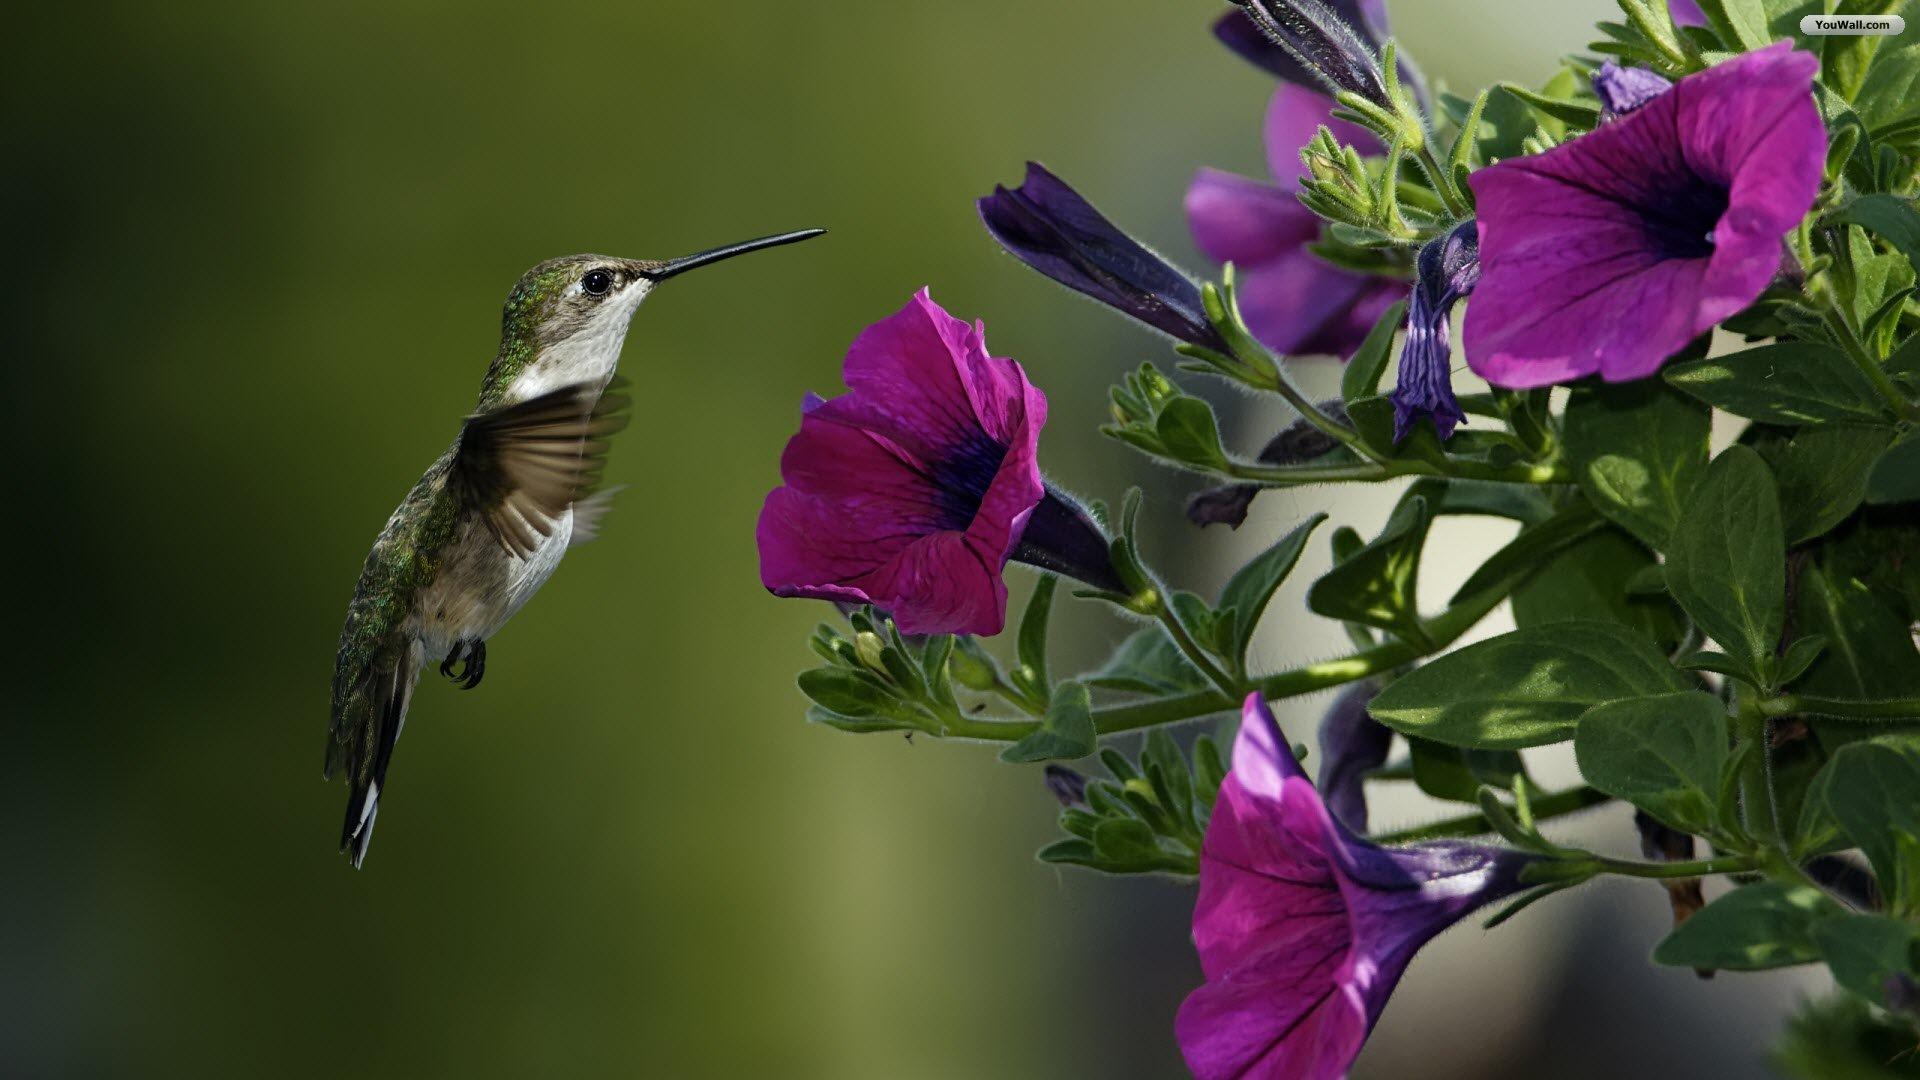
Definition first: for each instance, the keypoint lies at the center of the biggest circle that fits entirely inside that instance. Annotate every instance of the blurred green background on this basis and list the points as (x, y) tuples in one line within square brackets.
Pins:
[(257, 254)]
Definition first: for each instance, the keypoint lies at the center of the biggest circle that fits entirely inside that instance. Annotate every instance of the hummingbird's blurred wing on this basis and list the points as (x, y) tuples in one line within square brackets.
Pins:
[(522, 465)]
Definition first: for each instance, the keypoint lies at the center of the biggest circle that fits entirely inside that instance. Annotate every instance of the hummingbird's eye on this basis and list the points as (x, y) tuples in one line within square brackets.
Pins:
[(597, 282)]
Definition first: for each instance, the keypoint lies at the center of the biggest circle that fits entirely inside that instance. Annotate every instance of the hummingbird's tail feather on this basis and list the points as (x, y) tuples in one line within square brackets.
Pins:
[(389, 692)]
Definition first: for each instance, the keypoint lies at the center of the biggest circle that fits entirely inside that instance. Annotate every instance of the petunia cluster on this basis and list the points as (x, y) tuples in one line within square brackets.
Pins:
[(1682, 274)]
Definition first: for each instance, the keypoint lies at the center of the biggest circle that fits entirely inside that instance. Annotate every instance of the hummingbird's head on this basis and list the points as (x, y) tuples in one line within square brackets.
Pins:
[(566, 318)]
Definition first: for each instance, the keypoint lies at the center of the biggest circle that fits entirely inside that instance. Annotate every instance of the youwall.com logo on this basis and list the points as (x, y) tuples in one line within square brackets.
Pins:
[(1879, 25)]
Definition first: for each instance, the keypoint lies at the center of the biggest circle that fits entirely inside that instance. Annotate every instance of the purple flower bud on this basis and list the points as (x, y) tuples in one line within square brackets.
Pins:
[(1448, 269), (1304, 928), (1047, 225), (1324, 41), (1624, 89), (1297, 442), (1066, 785), (1367, 18), (1686, 13)]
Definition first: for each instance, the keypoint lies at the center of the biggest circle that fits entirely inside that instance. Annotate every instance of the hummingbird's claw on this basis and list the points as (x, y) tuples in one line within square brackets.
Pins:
[(472, 657), (476, 665)]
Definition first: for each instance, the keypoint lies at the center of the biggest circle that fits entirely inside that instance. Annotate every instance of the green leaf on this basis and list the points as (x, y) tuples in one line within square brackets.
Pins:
[(1527, 552), (1505, 123), (1896, 476), (1032, 648), (1821, 471), (1727, 561), (1361, 378), (1892, 84), (1793, 382), (1584, 115), (862, 725), (1525, 688), (1448, 772), (1663, 754), (857, 696), (1890, 217), (1376, 585), (1189, 433), (1740, 24), (1752, 928), (1870, 793), (1636, 450), (1148, 662), (1864, 951), (1065, 733), (1870, 652), (1593, 580), (1249, 590)]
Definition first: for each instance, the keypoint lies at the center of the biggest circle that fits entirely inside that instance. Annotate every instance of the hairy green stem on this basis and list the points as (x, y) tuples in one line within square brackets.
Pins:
[(1550, 805), (1892, 709), (1195, 655), (1454, 468), (1442, 630), (1724, 864), (1756, 776)]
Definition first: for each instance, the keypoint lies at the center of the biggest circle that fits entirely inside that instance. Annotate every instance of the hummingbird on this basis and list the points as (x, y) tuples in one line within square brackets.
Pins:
[(487, 524)]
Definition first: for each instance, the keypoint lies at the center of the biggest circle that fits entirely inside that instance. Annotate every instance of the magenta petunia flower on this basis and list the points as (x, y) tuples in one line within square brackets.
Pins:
[(1303, 928), (1293, 301), (912, 491), (1609, 253)]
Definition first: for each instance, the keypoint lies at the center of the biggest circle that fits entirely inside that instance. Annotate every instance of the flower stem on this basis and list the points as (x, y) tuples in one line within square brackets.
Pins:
[(1196, 655), (1550, 805), (1893, 709), (1297, 475), (1441, 631), (1724, 864), (1756, 779)]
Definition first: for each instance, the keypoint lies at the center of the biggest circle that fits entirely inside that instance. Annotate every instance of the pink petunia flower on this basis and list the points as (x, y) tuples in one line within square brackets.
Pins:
[(911, 491), (1304, 928)]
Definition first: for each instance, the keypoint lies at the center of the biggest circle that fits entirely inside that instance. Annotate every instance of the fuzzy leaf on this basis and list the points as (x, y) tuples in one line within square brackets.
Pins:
[(1637, 449), (1727, 560), (1663, 754), (1525, 688)]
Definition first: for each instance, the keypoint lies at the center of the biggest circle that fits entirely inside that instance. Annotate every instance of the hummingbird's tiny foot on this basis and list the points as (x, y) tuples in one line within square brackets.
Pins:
[(476, 665)]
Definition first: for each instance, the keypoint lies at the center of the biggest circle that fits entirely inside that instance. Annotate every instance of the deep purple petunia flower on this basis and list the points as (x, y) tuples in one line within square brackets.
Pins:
[(1448, 269), (1609, 253), (1303, 928), (912, 491), (1047, 225), (1293, 301)]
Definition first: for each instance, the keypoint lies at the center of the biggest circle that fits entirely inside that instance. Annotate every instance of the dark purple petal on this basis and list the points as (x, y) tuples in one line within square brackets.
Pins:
[(1448, 269), (1300, 305), (1621, 90), (910, 491), (1352, 744), (1609, 253), (1067, 786), (1303, 928), (1246, 222), (1223, 505), (1368, 18), (1324, 43), (1047, 225), (1062, 538)]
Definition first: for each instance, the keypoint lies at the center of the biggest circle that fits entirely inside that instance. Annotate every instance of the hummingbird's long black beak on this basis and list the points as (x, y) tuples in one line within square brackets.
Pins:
[(665, 270)]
